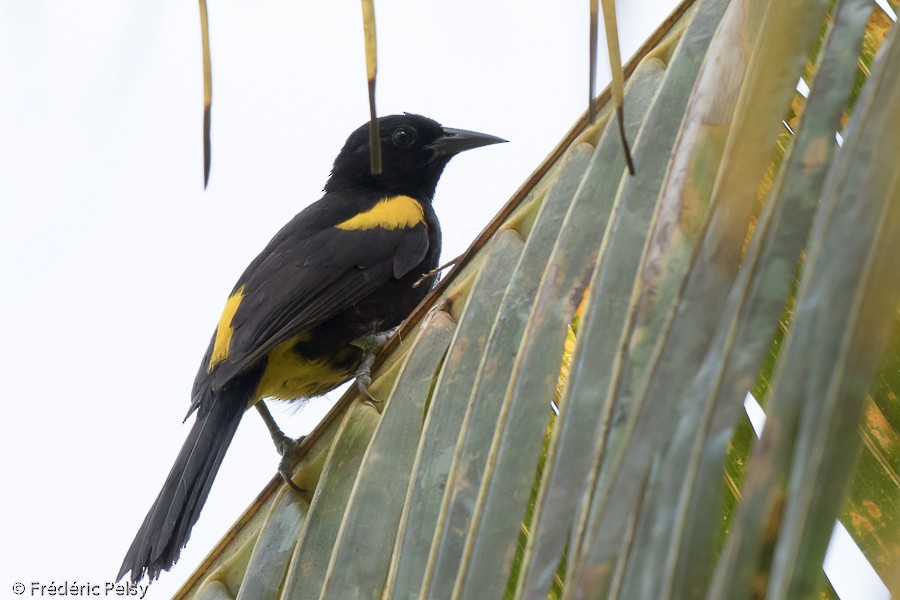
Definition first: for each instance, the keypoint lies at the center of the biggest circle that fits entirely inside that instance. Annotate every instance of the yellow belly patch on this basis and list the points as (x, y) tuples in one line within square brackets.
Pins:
[(289, 376), (224, 330), (395, 212)]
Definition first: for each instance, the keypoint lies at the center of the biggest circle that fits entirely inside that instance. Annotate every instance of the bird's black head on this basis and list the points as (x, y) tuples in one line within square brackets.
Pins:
[(414, 152)]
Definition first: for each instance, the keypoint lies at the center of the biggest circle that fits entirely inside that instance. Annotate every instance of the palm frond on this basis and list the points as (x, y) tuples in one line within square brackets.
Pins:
[(748, 252)]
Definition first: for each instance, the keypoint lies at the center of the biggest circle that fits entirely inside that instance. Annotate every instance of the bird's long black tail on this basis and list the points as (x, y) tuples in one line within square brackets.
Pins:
[(167, 526)]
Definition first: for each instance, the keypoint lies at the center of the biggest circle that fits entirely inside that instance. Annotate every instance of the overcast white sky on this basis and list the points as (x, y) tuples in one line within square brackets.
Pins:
[(115, 263)]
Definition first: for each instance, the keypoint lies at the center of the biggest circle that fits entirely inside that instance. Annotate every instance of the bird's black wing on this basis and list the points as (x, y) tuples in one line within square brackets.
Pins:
[(302, 279)]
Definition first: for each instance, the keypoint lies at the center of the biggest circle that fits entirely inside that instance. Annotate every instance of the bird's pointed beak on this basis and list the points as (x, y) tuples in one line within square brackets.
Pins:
[(455, 141)]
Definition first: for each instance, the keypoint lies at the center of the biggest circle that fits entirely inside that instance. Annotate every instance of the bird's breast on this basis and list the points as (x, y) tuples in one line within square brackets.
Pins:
[(291, 372)]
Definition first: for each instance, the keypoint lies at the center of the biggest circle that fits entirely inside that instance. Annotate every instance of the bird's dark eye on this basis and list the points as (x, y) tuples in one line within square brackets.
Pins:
[(403, 137)]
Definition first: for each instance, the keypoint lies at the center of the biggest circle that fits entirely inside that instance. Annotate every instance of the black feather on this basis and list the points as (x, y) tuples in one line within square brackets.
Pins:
[(300, 285), (322, 282), (167, 526)]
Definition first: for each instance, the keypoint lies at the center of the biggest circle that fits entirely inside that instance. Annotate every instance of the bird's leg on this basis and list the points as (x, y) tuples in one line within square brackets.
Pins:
[(370, 345), (434, 272), (286, 446)]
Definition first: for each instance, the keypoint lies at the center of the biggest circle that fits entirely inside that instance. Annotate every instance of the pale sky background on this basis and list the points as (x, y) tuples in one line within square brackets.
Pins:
[(116, 263)]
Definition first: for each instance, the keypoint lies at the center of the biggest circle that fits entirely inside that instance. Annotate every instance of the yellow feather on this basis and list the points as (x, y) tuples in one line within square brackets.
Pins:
[(224, 330), (289, 376), (394, 212)]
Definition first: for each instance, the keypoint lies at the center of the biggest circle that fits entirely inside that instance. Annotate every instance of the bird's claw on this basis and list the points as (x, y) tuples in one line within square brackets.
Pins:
[(363, 381), (370, 345), (288, 448)]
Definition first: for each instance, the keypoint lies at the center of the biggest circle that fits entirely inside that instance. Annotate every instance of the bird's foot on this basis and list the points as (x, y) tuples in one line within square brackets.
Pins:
[(286, 446), (370, 345)]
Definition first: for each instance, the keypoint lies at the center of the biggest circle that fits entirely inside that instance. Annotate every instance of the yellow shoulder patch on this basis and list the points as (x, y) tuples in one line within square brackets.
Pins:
[(224, 330), (394, 212)]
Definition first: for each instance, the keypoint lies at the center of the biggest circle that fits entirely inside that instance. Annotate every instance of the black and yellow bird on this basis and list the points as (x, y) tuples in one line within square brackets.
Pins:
[(304, 314)]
